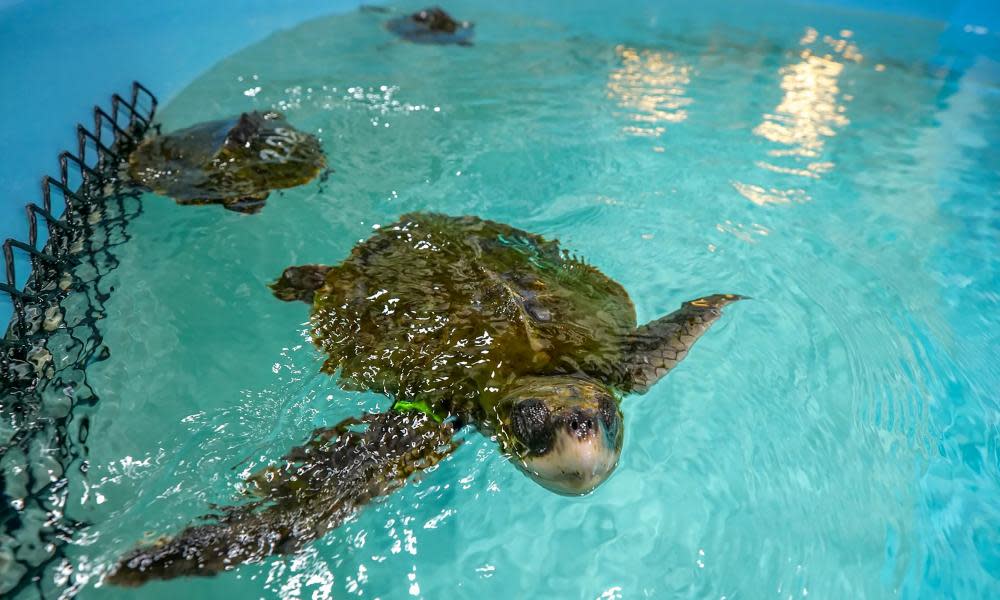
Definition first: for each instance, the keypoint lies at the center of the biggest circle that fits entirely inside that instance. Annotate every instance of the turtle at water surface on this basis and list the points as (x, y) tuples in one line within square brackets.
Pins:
[(459, 320), (432, 26), (500, 328), (234, 162)]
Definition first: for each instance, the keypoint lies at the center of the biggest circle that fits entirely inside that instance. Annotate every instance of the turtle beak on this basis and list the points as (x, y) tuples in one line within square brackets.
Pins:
[(584, 452)]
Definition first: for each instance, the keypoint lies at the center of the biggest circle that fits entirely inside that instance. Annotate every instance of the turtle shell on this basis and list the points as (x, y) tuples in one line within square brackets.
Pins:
[(451, 310), (235, 162)]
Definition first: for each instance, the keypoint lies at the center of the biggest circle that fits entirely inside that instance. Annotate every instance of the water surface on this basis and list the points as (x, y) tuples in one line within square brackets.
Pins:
[(837, 437)]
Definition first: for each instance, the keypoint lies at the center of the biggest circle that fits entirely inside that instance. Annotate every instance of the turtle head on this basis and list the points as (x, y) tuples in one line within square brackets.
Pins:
[(564, 432)]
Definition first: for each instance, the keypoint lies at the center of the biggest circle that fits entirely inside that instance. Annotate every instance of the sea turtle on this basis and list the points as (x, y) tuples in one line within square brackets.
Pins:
[(234, 162), (432, 26), (459, 320)]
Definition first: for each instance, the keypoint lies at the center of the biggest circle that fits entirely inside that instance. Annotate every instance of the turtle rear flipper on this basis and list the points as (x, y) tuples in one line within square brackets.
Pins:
[(655, 348), (320, 485), (248, 205), (300, 283)]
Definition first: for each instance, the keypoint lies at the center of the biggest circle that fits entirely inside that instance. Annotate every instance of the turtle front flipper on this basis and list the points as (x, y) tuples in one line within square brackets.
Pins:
[(655, 348), (320, 485)]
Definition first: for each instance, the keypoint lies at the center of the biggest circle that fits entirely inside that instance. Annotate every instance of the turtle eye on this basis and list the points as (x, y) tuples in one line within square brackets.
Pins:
[(530, 423)]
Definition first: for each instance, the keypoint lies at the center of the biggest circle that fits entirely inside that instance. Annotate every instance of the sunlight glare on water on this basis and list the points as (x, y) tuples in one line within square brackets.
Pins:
[(836, 437)]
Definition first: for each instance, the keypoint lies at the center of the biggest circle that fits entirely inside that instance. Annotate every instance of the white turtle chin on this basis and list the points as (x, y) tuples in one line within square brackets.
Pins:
[(573, 466)]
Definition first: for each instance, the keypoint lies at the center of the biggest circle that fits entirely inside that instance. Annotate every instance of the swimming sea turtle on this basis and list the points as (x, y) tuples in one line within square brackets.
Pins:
[(432, 26), (459, 320), (234, 162)]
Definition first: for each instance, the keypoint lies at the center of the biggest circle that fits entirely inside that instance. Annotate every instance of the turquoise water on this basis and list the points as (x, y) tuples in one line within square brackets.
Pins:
[(837, 437)]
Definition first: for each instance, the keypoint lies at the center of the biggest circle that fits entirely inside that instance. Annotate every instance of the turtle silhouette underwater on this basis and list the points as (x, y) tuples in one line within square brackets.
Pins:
[(460, 321), (235, 162), (432, 26)]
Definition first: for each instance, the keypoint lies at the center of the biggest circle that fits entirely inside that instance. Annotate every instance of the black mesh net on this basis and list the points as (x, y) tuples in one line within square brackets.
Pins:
[(54, 334)]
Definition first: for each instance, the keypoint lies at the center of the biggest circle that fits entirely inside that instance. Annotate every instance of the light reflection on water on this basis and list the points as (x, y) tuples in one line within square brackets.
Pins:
[(810, 112), (832, 438), (650, 86)]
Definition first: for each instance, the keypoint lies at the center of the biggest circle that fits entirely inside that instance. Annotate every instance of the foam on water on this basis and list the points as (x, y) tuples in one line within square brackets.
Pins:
[(835, 437)]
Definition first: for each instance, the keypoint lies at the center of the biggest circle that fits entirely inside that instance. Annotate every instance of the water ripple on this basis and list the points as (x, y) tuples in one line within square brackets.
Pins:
[(834, 437)]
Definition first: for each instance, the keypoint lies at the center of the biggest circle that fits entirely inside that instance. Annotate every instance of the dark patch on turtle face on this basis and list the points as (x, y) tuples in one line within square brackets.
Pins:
[(234, 162), (432, 26), (530, 423)]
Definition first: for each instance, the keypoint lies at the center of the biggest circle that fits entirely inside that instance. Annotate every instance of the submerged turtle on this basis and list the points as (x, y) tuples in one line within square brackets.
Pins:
[(432, 26), (234, 162), (461, 321)]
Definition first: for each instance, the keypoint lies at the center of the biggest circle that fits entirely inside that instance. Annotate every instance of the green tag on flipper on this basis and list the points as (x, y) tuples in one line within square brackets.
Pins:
[(419, 406)]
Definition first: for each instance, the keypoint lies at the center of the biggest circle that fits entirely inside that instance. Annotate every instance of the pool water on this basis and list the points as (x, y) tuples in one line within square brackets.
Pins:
[(836, 437)]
